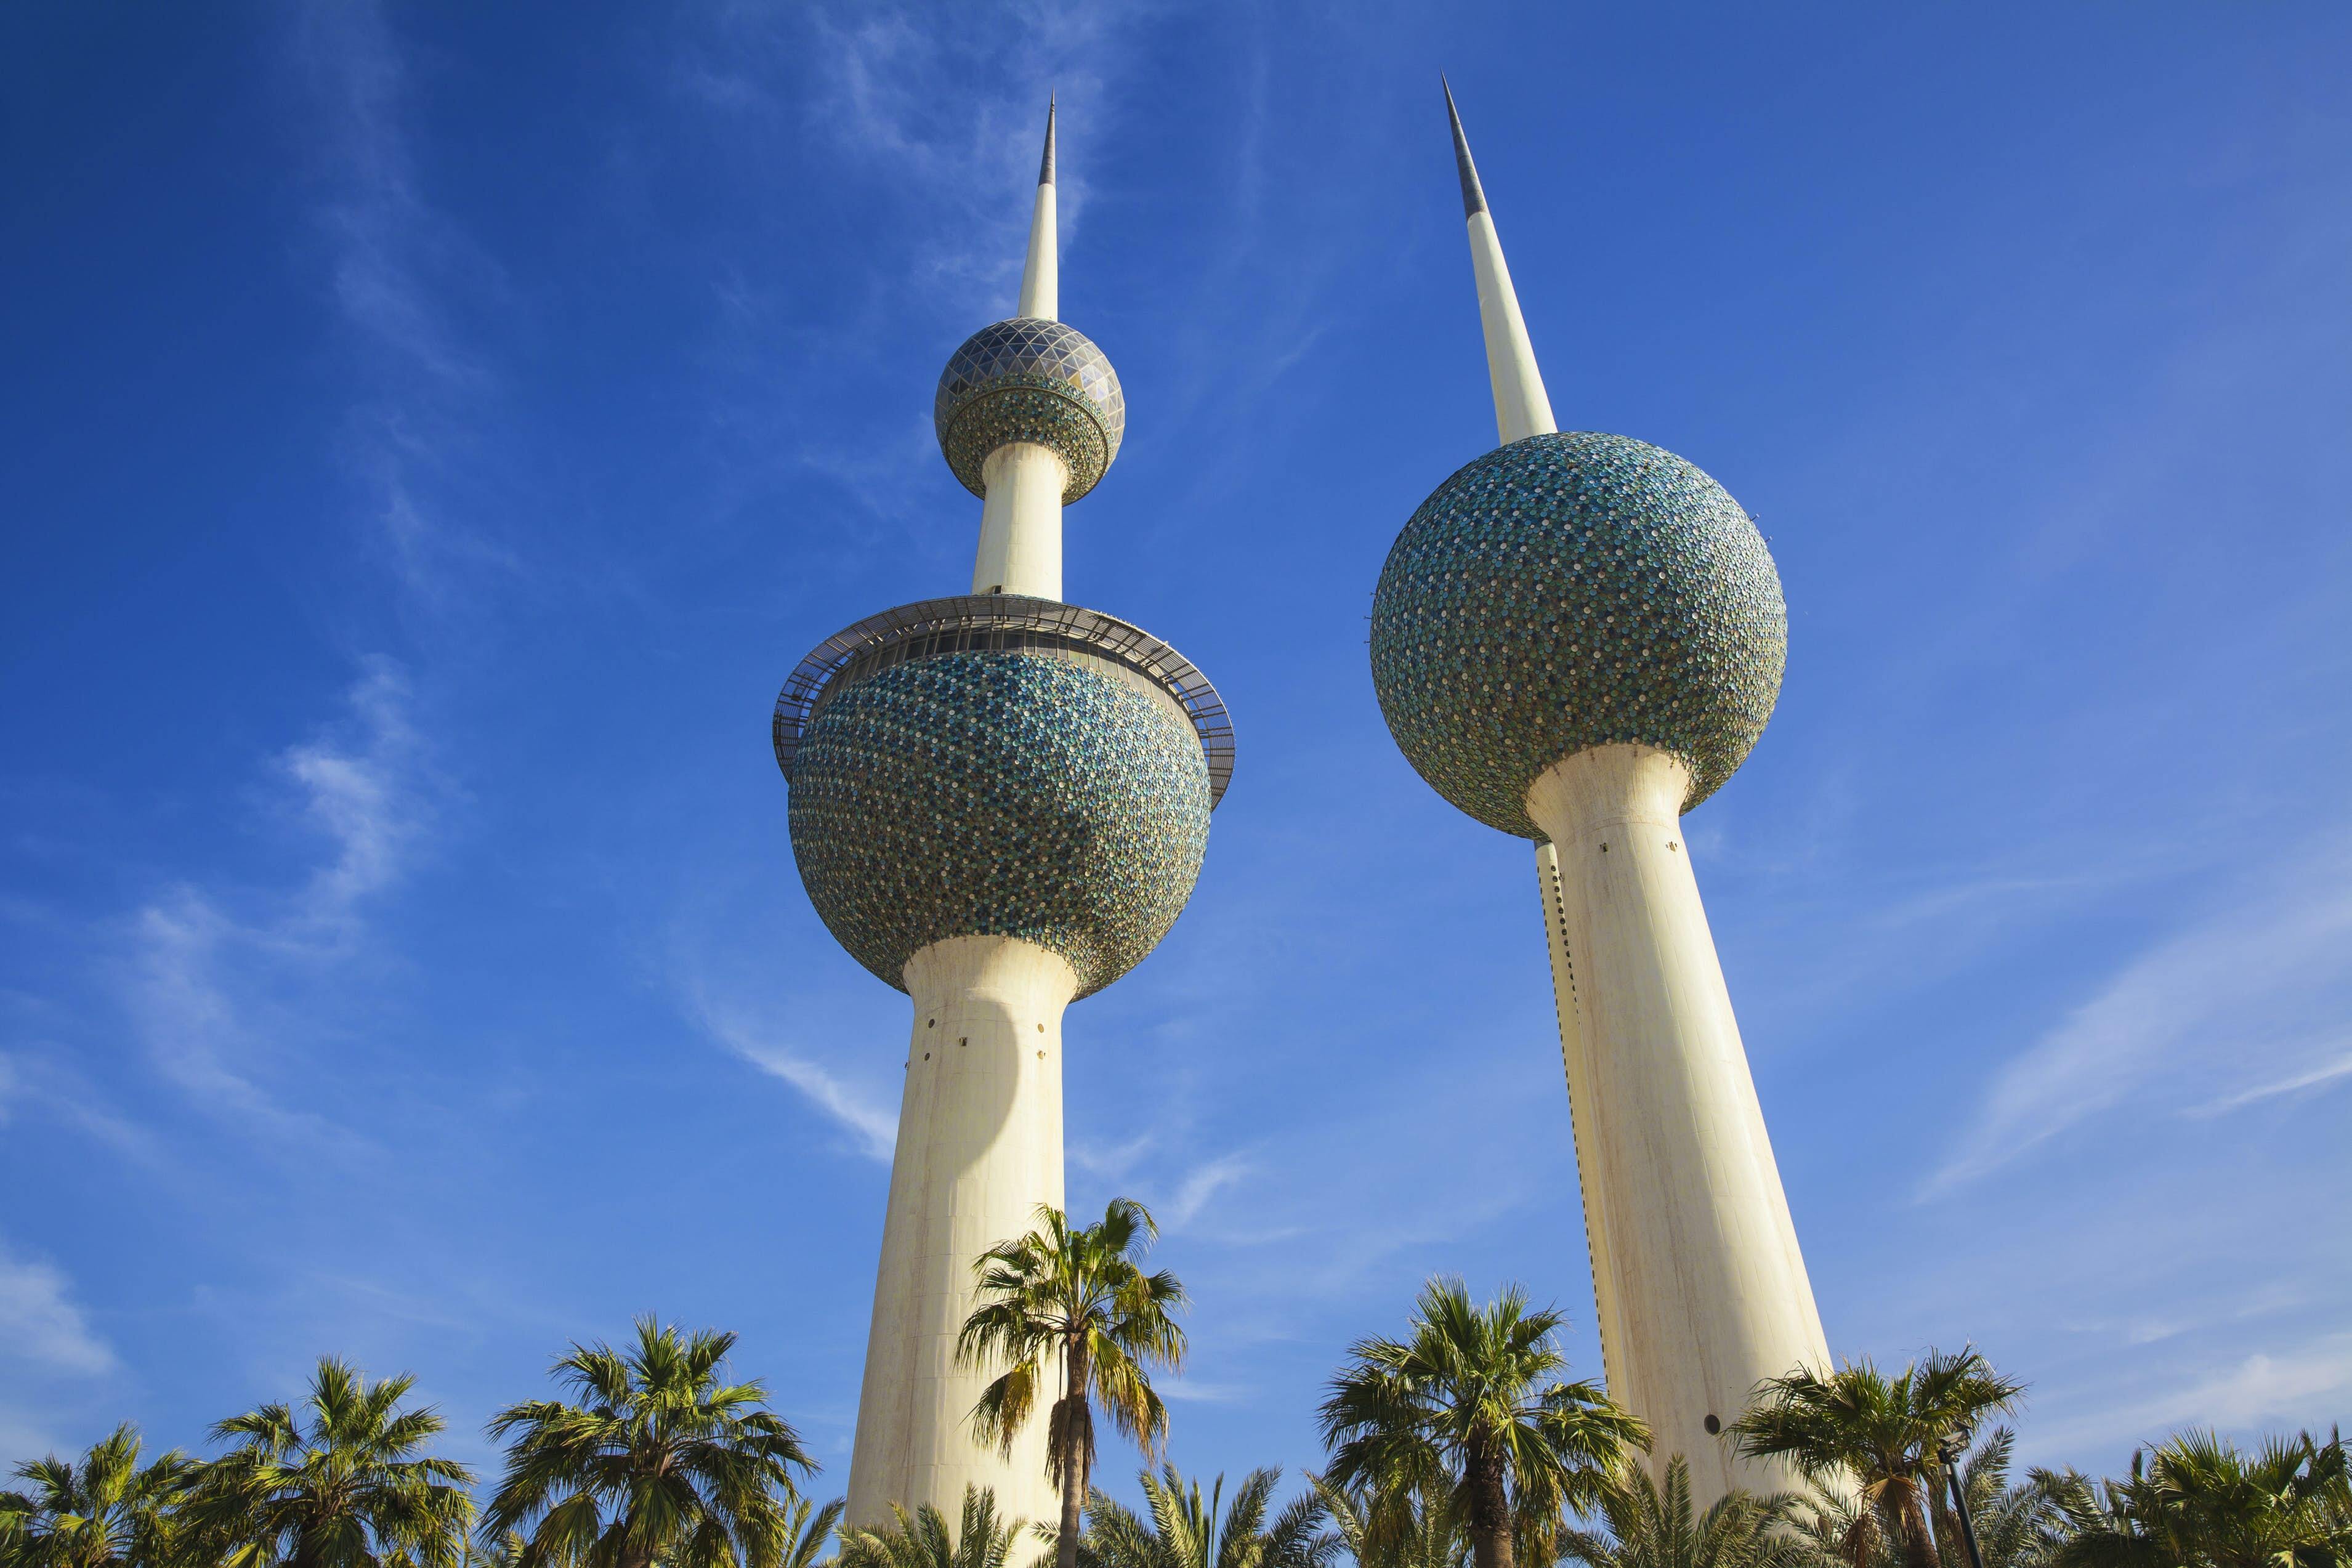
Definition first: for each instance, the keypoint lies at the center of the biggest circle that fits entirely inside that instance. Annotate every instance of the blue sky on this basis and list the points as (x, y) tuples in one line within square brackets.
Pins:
[(431, 435)]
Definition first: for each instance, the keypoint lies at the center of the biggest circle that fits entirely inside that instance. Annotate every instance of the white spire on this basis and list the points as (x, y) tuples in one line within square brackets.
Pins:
[(1521, 407), (1041, 279), (1022, 483)]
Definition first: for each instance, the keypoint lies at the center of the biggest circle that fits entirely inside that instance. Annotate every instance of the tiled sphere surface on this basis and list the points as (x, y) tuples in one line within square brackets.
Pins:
[(1568, 591), (999, 793), (1030, 379)]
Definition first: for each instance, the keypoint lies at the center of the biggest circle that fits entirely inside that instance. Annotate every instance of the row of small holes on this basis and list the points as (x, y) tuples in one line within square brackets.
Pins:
[(1568, 960), (967, 1040)]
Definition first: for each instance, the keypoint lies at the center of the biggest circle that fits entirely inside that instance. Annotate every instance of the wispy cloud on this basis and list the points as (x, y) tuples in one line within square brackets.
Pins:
[(2280, 1387), (1112, 1162), (873, 1127), (887, 85), (1184, 1391), (358, 789), (37, 1077), (205, 961), (2295, 1083), (40, 1323), (2196, 1014), (51, 1359), (935, 118), (391, 255), (1201, 1184)]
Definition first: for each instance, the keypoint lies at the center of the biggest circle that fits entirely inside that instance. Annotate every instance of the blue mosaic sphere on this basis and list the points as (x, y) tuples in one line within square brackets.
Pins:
[(1030, 379), (1030, 794), (1571, 591)]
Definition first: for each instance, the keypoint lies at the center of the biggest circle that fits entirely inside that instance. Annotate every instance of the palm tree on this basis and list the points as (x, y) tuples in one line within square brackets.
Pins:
[(2197, 1501), (1187, 1530), (1419, 1531), (507, 1548), (1075, 1303), (341, 1485), (656, 1461), (2019, 1524), (1651, 1526), (108, 1509), (984, 1541), (1882, 1435), (1465, 1409), (807, 1529)]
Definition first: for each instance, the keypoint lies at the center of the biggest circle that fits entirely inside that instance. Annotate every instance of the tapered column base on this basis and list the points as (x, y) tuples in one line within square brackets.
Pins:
[(1701, 1288), (980, 1148)]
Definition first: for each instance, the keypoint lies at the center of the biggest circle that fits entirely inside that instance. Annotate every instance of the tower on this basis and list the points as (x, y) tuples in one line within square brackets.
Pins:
[(1576, 639), (999, 802)]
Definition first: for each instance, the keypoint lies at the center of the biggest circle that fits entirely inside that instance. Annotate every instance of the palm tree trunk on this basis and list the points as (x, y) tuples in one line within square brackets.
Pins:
[(1919, 1546), (1490, 1510), (1073, 1459)]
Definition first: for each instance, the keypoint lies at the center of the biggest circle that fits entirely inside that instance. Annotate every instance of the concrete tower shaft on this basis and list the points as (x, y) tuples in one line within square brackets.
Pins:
[(980, 1148), (1577, 638)]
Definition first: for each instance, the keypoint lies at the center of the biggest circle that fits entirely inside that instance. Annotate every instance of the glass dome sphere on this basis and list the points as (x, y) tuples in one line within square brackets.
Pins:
[(991, 792), (1030, 379), (1569, 591)]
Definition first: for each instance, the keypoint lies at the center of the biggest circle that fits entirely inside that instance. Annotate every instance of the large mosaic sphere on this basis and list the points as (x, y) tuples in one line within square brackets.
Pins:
[(1030, 379), (1034, 794), (1568, 591)]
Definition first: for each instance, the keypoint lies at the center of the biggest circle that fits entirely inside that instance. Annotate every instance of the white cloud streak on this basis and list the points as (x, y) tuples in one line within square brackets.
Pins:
[(41, 1325), (1112, 1160), (2302, 1385), (2316, 1077), (1199, 1186), (874, 81), (2259, 985), (201, 970), (390, 251), (872, 1128), (1183, 1391)]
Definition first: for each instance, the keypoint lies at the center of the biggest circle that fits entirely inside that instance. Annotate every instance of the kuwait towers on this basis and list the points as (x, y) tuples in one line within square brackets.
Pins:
[(999, 803), (1576, 639)]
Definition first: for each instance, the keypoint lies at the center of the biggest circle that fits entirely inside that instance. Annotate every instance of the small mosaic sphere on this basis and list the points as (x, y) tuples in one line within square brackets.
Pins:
[(1006, 794), (1030, 379), (1571, 591)]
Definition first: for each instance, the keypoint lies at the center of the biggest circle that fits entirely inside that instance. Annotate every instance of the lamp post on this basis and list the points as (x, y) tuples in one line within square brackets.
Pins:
[(1949, 1453)]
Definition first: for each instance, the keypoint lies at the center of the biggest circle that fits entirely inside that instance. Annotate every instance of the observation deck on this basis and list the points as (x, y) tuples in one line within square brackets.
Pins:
[(1005, 623)]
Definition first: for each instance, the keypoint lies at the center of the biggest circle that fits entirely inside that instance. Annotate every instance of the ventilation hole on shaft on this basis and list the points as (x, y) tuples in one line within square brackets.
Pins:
[(965, 1041), (1713, 1426)]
